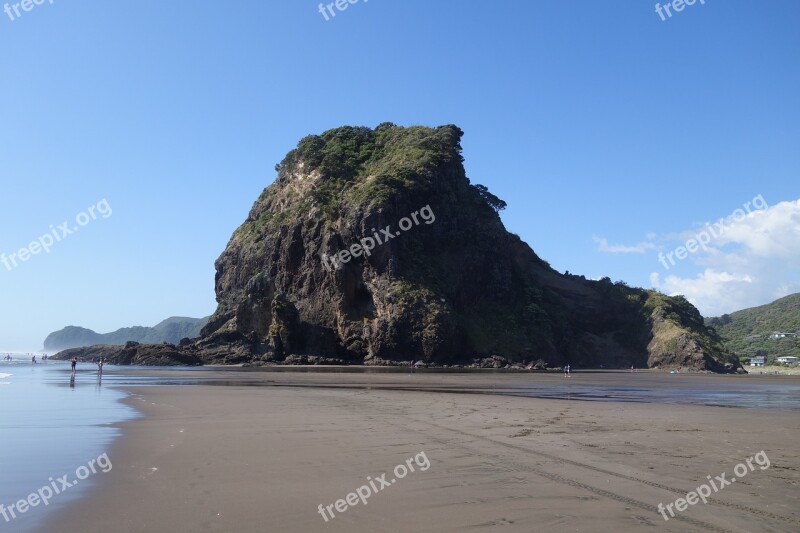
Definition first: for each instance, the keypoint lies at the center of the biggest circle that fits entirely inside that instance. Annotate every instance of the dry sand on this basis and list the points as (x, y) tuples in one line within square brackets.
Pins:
[(244, 458)]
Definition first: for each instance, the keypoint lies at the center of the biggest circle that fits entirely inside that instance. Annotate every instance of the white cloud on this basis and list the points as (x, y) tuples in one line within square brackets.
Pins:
[(774, 232), (605, 247), (713, 292), (754, 259), (748, 258)]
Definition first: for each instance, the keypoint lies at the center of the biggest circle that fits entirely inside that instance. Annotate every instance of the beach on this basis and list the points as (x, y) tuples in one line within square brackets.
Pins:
[(278, 451)]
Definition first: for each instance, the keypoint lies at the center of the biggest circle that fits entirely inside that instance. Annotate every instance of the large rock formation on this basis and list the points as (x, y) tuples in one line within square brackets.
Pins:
[(372, 246)]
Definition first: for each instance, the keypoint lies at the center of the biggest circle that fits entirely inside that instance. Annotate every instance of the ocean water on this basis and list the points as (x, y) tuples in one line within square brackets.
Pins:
[(51, 426)]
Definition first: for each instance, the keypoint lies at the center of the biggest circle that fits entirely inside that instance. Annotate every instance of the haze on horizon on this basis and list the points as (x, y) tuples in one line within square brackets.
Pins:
[(615, 137)]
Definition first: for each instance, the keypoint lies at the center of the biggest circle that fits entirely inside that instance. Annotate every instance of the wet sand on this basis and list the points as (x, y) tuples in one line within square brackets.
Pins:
[(262, 458)]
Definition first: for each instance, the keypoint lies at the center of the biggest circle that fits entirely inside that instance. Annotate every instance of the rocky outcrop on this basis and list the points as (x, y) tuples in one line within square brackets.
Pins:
[(132, 353), (373, 247), (674, 347)]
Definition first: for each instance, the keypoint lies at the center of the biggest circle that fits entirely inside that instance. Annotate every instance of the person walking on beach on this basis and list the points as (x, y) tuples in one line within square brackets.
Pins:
[(33, 359), (100, 367), (566, 371), (74, 365)]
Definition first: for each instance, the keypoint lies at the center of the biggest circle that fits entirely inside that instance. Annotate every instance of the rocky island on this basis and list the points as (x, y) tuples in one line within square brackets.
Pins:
[(373, 247)]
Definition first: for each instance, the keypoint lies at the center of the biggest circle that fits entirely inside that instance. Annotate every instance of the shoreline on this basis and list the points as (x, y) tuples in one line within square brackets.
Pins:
[(232, 458), (476, 365), (53, 430), (738, 391)]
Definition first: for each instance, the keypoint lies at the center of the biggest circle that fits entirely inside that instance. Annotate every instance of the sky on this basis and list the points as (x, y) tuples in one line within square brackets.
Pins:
[(614, 136)]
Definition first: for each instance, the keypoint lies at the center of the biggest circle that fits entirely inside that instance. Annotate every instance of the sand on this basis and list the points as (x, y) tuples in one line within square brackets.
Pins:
[(785, 370), (243, 458)]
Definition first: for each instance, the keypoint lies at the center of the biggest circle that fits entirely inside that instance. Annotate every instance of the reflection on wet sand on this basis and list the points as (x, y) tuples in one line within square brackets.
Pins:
[(644, 387)]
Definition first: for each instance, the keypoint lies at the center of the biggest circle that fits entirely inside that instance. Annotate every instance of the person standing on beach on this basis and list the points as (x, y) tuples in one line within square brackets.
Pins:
[(74, 365), (100, 367), (33, 359)]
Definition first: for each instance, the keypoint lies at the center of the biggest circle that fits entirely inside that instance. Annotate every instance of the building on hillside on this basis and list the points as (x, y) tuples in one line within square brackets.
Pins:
[(758, 361), (781, 335), (788, 360)]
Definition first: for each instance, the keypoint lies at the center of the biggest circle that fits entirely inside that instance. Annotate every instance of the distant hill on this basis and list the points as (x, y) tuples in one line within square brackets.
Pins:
[(748, 332), (171, 330)]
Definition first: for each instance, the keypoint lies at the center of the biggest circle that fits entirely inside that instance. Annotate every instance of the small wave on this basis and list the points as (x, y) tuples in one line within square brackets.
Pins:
[(4, 376)]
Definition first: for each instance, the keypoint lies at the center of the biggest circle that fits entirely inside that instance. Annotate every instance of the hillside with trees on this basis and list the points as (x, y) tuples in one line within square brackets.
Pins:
[(749, 332)]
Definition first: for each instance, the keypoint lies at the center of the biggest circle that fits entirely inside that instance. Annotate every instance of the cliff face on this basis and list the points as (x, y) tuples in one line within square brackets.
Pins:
[(430, 272)]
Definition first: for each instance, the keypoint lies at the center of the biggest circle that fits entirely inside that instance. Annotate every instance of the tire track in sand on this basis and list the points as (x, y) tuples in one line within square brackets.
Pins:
[(756, 512)]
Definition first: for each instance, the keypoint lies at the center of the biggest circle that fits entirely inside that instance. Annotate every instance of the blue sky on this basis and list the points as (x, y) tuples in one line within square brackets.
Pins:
[(612, 135)]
